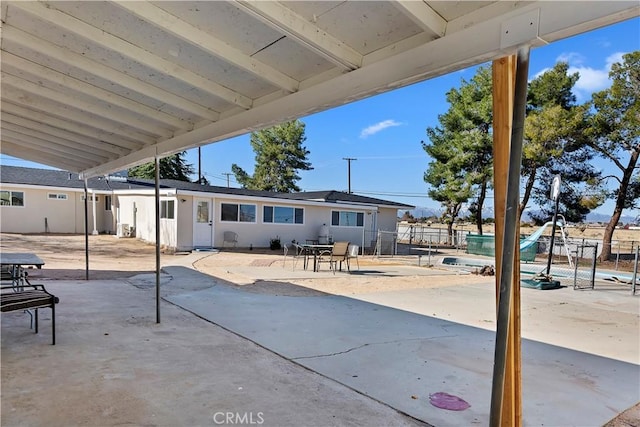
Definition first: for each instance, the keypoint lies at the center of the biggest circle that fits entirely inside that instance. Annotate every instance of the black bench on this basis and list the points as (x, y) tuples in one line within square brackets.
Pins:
[(27, 297)]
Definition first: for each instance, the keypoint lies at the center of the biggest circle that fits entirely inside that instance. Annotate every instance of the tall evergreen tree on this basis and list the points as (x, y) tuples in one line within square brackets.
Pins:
[(279, 156), (462, 149), (615, 135), (554, 144), (171, 167)]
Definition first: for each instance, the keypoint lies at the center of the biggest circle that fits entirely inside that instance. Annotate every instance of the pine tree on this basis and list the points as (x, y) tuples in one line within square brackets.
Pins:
[(171, 167), (279, 156)]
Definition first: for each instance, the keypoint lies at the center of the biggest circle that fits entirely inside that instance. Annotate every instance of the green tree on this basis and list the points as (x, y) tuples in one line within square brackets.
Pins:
[(615, 135), (554, 144), (279, 156), (462, 149), (171, 167)]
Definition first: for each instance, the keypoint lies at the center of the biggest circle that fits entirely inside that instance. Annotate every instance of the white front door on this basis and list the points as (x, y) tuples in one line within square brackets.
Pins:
[(203, 223)]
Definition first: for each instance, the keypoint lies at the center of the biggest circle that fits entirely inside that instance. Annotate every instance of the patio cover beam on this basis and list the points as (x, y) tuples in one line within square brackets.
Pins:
[(171, 24), (422, 14), (283, 19)]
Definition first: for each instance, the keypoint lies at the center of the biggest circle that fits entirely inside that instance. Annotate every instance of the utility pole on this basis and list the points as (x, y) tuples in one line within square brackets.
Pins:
[(199, 167), (348, 159), (227, 174)]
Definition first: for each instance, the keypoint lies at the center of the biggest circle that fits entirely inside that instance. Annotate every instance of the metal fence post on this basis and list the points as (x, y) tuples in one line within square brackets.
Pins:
[(575, 271), (635, 271), (593, 267)]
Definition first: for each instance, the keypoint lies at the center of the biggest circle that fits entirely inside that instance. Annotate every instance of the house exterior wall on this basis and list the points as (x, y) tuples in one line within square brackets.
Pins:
[(260, 233), (41, 213), (139, 211), (184, 223), (178, 233)]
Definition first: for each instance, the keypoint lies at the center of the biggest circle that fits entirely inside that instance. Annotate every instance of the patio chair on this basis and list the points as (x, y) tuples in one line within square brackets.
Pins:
[(300, 252), (338, 253), (353, 253), (230, 237)]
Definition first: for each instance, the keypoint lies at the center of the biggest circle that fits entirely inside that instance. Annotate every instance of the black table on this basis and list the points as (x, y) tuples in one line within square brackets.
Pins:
[(315, 250), (15, 262)]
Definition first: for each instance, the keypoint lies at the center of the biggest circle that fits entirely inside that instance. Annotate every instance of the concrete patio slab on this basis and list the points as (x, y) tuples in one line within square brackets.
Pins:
[(400, 358), (114, 365)]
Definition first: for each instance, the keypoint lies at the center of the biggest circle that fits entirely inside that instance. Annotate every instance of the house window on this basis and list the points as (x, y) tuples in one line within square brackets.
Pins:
[(91, 198), (11, 198), (167, 209), (57, 196), (236, 212), (347, 219), (107, 203), (283, 215)]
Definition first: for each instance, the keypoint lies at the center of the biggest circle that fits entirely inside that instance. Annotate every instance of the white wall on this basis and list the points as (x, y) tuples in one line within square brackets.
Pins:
[(178, 233), (62, 216), (139, 211)]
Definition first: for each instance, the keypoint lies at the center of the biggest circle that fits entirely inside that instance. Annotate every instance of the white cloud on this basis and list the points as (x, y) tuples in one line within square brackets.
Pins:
[(571, 58), (373, 129), (593, 79)]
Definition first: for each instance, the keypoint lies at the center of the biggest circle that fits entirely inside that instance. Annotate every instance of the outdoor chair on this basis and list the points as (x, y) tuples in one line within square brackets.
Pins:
[(336, 255), (353, 253), (230, 237)]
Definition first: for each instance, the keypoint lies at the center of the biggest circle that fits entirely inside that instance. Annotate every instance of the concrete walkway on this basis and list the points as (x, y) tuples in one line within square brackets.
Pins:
[(113, 365), (400, 358)]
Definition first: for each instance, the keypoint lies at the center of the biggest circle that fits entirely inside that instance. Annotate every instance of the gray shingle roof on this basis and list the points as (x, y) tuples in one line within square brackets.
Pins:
[(58, 178)]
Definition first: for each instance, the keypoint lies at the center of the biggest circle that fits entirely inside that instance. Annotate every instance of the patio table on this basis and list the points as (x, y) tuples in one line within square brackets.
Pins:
[(15, 262), (315, 250)]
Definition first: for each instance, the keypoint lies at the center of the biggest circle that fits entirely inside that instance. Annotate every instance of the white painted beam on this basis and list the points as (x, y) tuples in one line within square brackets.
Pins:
[(35, 155), (423, 15), (173, 25), (54, 140), (48, 147), (108, 149), (15, 65), (72, 114), (284, 20), (119, 143), (113, 114), (11, 35), (131, 51)]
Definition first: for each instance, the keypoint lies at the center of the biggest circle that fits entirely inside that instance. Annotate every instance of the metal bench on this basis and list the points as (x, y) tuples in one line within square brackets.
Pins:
[(29, 297)]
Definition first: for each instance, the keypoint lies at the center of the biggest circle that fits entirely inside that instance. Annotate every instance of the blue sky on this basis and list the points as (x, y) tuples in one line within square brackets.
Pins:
[(384, 132)]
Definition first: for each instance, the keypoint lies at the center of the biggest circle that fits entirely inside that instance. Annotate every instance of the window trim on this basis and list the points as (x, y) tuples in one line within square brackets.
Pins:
[(57, 196), (273, 207), (339, 212), (239, 217), (164, 209), (11, 199)]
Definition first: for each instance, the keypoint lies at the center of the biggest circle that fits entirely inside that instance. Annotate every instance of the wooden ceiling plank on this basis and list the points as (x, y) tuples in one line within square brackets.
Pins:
[(423, 15), (93, 68), (82, 129), (283, 19), (78, 147), (64, 134), (86, 107), (48, 147), (9, 59), (61, 162), (171, 24), (102, 38), (129, 138)]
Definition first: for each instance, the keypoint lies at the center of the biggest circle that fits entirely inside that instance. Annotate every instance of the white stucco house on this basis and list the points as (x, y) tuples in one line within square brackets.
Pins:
[(192, 215)]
